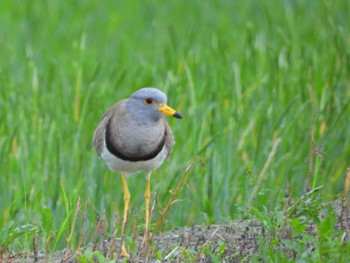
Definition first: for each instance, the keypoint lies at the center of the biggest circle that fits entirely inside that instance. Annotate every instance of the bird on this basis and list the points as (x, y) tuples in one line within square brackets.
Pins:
[(134, 136)]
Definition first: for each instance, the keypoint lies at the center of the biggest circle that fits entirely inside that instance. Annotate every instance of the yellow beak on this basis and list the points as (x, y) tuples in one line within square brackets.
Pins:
[(166, 110)]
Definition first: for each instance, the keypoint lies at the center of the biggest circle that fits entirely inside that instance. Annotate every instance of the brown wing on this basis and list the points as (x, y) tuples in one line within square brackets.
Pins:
[(169, 139), (100, 131)]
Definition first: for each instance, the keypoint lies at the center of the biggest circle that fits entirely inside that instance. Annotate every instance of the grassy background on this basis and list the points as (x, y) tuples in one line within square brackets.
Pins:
[(245, 74)]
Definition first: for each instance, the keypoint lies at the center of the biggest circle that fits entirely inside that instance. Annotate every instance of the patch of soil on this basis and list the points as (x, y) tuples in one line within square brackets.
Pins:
[(236, 241), (239, 237)]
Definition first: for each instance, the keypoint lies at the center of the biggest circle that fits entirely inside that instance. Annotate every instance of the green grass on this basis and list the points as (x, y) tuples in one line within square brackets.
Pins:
[(244, 74)]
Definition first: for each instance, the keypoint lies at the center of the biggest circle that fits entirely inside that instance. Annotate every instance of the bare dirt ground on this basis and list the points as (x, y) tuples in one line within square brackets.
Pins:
[(239, 237), (235, 242)]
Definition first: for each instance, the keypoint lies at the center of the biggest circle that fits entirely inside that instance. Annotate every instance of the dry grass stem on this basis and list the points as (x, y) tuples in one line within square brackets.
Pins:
[(172, 198), (265, 168), (311, 161), (77, 208)]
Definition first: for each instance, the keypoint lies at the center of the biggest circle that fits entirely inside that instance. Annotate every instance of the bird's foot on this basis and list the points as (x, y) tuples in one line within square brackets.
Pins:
[(124, 252)]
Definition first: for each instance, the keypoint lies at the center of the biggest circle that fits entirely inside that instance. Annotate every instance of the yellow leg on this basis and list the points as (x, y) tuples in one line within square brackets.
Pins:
[(126, 210), (148, 217)]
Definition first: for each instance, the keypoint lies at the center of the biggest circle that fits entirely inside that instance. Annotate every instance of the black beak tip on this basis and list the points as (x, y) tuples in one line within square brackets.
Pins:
[(178, 115)]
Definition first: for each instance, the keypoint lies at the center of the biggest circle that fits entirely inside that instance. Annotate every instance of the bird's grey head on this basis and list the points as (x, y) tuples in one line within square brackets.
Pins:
[(145, 104)]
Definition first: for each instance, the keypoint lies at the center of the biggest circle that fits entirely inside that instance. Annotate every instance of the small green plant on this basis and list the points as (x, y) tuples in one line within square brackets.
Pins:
[(89, 256), (47, 227), (215, 253), (187, 254), (14, 234), (299, 233)]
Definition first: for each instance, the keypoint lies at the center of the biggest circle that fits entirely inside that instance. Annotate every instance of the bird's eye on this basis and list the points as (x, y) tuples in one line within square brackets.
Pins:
[(149, 101)]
